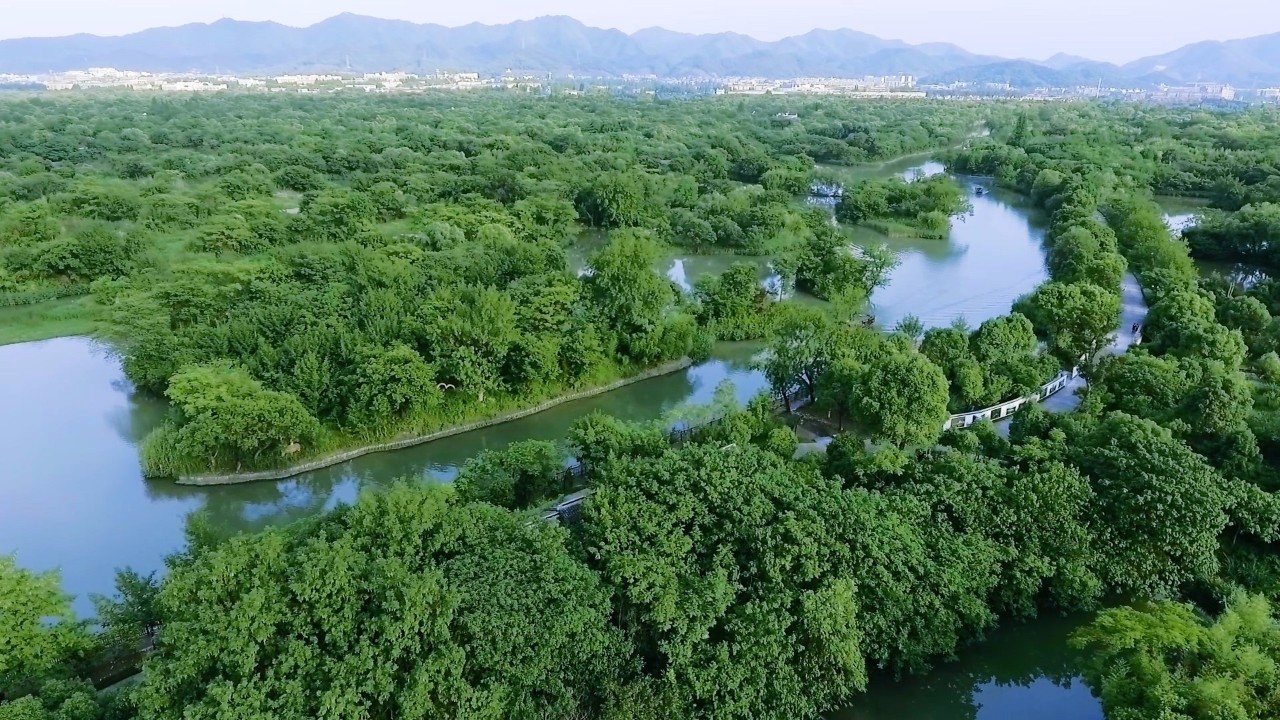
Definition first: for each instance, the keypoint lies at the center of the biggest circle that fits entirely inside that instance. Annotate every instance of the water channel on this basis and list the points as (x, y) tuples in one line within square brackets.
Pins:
[(1020, 672), (72, 496)]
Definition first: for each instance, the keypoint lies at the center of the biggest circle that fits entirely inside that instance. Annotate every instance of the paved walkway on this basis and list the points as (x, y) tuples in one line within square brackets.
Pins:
[(1133, 310)]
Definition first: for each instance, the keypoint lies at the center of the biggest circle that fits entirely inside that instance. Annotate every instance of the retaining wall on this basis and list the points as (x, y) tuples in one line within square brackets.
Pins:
[(401, 443)]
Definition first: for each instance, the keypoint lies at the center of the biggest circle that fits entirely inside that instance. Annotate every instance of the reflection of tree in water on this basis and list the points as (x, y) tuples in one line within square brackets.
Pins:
[(253, 506), (139, 416), (1015, 656)]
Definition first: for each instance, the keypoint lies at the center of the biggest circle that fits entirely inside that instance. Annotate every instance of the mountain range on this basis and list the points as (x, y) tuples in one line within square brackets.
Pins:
[(563, 45)]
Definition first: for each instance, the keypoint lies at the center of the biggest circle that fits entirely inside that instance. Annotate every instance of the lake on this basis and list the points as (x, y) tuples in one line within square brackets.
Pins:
[(75, 498), (993, 256)]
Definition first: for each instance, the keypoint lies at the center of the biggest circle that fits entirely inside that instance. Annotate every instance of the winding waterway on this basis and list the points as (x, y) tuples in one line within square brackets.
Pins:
[(72, 496)]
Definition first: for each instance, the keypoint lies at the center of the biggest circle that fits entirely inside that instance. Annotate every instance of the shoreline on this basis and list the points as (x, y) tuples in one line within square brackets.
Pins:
[(236, 478)]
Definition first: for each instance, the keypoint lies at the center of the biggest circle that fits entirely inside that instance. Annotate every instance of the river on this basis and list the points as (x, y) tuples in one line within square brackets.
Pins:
[(994, 255), (74, 498)]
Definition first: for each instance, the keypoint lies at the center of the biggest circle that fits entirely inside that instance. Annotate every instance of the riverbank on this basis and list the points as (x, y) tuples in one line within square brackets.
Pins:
[(63, 317), (401, 443)]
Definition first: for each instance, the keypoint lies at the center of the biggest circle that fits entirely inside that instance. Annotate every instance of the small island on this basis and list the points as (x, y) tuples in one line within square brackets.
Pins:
[(920, 208)]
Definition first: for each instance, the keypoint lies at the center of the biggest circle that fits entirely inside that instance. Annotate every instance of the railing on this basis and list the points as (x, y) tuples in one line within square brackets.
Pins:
[(1004, 410)]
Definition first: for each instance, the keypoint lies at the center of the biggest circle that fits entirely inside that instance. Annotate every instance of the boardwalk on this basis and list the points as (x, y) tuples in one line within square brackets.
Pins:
[(1133, 311)]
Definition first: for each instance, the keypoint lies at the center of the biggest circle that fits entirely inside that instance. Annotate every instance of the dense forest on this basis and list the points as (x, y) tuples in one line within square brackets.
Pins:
[(712, 573), (298, 276)]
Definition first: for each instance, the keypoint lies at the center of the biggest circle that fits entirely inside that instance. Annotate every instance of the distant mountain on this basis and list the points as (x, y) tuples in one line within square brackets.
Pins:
[(554, 44), (563, 45), (1250, 62), (1063, 60), (1024, 74)]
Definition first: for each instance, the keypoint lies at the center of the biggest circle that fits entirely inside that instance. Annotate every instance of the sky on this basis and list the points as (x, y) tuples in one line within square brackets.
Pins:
[(1112, 30)]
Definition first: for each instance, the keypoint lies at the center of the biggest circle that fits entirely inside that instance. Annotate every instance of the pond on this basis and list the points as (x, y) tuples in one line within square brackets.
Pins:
[(993, 256), (1182, 213), (1020, 672)]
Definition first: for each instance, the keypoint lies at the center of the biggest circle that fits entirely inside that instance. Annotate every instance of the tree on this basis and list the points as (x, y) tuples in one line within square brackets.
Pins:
[(1159, 508), (734, 304), (389, 384), (785, 181), (630, 297), (406, 604), (1184, 324), (134, 613), (901, 400), (910, 326), (1165, 660), (787, 619), (223, 415), (39, 634), (28, 224), (799, 352), (1077, 319), (95, 250), (1246, 314), (1079, 256), (226, 234), (826, 264), (1140, 384), (520, 476), (335, 216), (614, 200)]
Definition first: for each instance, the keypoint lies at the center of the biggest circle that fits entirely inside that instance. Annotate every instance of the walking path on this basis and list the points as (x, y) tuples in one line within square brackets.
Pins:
[(1133, 311)]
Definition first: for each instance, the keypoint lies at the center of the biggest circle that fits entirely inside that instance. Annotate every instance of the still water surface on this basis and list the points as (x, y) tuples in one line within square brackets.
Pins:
[(73, 496), (1020, 672)]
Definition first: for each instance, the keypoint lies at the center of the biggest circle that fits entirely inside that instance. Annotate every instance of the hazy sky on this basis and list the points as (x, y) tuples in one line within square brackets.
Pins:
[(1115, 30)]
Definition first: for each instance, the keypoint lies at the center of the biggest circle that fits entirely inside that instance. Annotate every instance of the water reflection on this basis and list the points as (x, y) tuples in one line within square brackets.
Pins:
[(1022, 672), (992, 257), (75, 498), (73, 495)]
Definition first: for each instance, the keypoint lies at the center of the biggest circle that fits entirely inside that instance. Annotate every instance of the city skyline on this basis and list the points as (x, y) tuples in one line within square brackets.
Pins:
[(1096, 29)]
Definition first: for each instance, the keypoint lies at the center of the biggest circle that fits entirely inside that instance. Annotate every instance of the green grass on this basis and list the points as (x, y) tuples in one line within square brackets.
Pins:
[(51, 319), (900, 230)]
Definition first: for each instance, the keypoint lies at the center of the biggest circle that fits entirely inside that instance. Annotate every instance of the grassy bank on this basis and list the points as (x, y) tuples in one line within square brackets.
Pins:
[(904, 231), (50, 319)]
